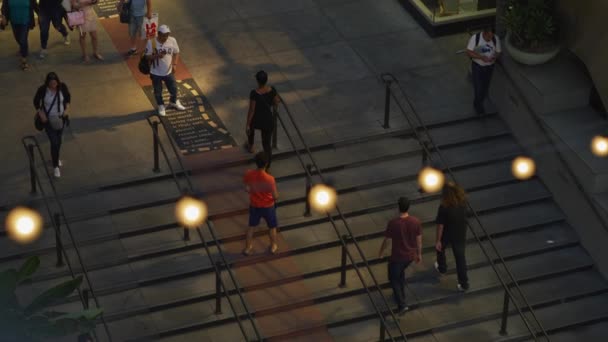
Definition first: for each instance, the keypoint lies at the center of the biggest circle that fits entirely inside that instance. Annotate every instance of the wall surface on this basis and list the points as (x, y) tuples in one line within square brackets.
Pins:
[(586, 33)]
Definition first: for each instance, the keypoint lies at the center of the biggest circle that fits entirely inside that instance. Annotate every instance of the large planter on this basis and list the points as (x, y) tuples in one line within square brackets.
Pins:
[(530, 58)]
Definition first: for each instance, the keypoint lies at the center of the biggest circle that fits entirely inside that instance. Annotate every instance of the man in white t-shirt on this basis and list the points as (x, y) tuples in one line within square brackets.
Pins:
[(163, 55), (483, 49)]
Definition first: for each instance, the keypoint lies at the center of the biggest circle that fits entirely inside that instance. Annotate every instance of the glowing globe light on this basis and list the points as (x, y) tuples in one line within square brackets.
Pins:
[(599, 146), (430, 179), (523, 168), (322, 197), (190, 212), (23, 225)]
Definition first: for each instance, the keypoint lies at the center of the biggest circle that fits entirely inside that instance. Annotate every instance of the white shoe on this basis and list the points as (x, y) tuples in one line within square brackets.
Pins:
[(462, 289), (60, 163), (43, 54), (177, 105), (161, 110), (56, 172), (66, 40)]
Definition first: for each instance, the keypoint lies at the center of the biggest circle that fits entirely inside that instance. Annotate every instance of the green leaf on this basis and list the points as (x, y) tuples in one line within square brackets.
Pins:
[(53, 295), (88, 314), (28, 268)]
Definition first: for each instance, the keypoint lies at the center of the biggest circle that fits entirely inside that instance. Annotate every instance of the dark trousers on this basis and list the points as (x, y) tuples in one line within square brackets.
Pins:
[(45, 18), (482, 75), (55, 137), (458, 248), (20, 32), (157, 84), (266, 141), (396, 276)]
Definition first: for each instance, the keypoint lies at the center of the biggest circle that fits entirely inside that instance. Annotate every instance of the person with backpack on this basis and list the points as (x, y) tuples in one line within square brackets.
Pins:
[(52, 101), (137, 10), (483, 49), (263, 101)]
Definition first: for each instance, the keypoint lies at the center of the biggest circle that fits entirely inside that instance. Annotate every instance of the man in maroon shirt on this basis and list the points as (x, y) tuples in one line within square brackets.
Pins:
[(405, 233)]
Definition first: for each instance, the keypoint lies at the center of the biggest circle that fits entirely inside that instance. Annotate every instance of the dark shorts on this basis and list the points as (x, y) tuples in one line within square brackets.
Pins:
[(269, 215)]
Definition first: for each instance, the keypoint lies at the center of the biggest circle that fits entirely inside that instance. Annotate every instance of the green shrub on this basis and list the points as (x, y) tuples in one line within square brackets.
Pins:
[(531, 24)]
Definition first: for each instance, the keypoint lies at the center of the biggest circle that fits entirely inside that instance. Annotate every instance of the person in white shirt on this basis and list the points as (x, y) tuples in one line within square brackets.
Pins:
[(163, 54), (483, 49)]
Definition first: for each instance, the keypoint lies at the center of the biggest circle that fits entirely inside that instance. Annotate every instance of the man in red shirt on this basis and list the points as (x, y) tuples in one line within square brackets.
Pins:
[(405, 233), (262, 196)]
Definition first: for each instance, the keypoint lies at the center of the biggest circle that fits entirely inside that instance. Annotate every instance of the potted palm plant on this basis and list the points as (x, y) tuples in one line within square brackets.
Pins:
[(531, 31)]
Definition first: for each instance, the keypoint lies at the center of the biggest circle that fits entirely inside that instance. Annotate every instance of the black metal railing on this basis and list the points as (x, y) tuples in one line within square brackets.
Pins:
[(346, 239), (217, 265), (391, 82), (30, 143)]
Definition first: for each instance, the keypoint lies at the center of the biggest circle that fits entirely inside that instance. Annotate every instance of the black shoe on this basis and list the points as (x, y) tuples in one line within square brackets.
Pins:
[(131, 52), (403, 310)]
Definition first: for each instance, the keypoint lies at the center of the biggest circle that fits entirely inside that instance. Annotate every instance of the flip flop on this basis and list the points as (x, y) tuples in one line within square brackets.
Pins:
[(24, 66), (247, 251), (98, 57), (273, 249)]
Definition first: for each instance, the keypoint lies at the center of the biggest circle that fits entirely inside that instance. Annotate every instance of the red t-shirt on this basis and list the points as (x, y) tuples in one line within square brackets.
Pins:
[(403, 233), (261, 187)]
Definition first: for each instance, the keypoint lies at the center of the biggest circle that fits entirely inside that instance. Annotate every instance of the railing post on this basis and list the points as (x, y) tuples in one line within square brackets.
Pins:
[(342, 284), (58, 243), (155, 142), (387, 104), (505, 314), (425, 156), (30, 153), (382, 331), (218, 289), (308, 187), (186, 234), (85, 298), (274, 128)]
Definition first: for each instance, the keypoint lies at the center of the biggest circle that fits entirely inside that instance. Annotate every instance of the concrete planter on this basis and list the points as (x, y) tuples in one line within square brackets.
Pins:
[(530, 58)]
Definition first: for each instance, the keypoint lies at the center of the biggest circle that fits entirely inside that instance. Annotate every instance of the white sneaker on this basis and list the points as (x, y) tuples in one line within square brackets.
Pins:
[(462, 289), (161, 110), (66, 40), (60, 163), (43, 54), (56, 172), (177, 105)]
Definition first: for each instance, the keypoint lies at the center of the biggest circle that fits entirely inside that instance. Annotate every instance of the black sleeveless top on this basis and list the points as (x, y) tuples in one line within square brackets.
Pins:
[(262, 116)]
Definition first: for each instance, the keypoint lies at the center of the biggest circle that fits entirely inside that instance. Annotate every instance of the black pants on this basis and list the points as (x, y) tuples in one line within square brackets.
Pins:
[(396, 276), (45, 18), (55, 137), (21, 32), (482, 75), (458, 248), (266, 141)]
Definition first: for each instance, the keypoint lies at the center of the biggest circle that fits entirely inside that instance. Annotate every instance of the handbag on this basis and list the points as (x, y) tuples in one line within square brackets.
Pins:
[(38, 120), (125, 12), (144, 64), (67, 5), (76, 18)]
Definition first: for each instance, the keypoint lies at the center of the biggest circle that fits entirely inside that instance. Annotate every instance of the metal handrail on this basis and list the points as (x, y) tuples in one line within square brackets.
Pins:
[(390, 78), (34, 143), (352, 237), (209, 224)]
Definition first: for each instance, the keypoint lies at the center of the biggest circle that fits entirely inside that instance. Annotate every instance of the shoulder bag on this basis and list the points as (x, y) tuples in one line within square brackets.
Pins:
[(125, 12), (38, 120)]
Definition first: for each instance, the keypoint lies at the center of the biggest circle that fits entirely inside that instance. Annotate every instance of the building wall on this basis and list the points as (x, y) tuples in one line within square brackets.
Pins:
[(586, 33)]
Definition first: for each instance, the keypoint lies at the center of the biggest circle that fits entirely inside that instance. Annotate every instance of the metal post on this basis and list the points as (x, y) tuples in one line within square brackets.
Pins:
[(58, 243), (308, 187), (30, 153), (382, 332), (505, 315), (186, 234), (387, 104), (155, 142), (275, 114), (85, 298), (218, 289), (343, 262)]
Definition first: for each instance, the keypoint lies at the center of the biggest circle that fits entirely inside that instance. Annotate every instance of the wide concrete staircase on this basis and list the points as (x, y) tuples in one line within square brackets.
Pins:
[(154, 285)]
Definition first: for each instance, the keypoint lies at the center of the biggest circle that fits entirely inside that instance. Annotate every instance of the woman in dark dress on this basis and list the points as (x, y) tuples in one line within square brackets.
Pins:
[(263, 101), (452, 231)]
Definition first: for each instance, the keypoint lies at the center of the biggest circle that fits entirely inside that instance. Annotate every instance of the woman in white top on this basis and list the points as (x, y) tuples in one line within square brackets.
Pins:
[(89, 26), (52, 101)]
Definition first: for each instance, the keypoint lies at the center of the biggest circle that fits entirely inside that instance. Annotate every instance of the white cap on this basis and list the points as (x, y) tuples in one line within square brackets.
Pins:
[(164, 29)]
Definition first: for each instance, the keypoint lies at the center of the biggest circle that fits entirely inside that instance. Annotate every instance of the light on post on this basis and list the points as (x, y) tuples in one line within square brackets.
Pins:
[(23, 224), (430, 179), (599, 146), (322, 197), (190, 212), (523, 168)]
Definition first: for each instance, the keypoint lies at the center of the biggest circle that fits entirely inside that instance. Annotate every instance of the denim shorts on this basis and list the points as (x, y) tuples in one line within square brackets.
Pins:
[(269, 215), (135, 24)]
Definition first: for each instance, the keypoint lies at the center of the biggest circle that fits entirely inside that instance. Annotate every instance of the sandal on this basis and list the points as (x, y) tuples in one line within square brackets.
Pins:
[(247, 251), (98, 57), (24, 66), (85, 59), (273, 249)]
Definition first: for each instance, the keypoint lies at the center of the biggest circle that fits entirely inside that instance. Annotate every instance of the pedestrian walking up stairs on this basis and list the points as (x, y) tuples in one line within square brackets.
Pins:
[(530, 277)]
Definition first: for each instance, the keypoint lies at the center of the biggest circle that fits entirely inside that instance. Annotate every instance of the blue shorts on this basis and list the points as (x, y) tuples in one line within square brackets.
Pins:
[(269, 215), (135, 24)]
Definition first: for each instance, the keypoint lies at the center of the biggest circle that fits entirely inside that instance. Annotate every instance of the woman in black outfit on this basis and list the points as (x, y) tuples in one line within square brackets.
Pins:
[(52, 101), (262, 101), (452, 230)]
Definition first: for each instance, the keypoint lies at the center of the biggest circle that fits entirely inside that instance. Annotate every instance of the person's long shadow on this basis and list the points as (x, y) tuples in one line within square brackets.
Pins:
[(103, 122)]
